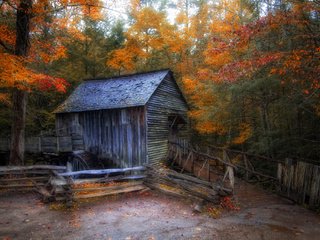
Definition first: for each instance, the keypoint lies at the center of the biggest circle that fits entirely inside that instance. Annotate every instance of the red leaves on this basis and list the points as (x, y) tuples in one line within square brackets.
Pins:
[(245, 68), (229, 204), (46, 83)]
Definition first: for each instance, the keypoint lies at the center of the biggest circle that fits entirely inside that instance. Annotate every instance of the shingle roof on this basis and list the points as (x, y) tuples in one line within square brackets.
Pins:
[(117, 92)]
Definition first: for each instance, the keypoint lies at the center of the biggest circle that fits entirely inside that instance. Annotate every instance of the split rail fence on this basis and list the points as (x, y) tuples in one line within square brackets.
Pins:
[(54, 183)]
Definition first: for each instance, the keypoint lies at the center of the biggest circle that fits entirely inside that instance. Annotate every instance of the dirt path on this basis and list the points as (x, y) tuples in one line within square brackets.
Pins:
[(156, 216)]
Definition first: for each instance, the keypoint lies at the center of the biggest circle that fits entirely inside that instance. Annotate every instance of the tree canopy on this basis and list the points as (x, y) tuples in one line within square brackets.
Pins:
[(249, 69)]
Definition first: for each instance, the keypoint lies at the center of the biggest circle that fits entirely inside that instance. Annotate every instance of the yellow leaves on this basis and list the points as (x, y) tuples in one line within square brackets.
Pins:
[(245, 132), (149, 34), (5, 99), (222, 28), (181, 18), (13, 72), (209, 127), (7, 35), (219, 60), (92, 9), (121, 59), (189, 85), (148, 28), (273, 70), (47, 52), (125, 58), (60, 52)]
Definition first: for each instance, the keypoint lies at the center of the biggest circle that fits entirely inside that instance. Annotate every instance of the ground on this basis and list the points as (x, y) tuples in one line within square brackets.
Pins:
[(152, 215)]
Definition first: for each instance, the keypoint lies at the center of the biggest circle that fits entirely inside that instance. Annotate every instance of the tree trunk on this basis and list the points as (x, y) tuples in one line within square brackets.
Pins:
[(19, 100), (18, 127)]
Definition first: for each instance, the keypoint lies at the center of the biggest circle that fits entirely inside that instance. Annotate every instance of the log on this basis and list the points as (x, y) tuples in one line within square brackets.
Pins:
[(111, 192), (61, 182), (176, 193), (173, 174), (102, 171), (170, 181), (104, 188)]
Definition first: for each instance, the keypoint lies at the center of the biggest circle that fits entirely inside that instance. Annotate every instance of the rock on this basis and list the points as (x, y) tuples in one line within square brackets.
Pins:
[(199, 207)]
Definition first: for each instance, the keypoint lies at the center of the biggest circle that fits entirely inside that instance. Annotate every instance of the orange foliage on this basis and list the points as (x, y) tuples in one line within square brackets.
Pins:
[(149, 33), (245, 133), (17, 71)]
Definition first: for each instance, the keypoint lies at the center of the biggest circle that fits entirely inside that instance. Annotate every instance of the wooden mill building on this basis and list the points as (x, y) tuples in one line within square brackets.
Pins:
[(127, 119)]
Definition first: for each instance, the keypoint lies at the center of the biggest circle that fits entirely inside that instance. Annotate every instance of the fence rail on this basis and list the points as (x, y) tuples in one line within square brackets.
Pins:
[(297, 180), (49, 144), (54, 183), (202, 165), (26, 177)]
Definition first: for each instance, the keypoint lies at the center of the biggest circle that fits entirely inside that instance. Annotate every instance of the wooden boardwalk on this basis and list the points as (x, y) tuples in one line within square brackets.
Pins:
[(47, 144)]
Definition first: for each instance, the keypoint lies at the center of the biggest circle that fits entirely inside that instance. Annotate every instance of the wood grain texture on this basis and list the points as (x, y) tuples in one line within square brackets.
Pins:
[(166, 101), (131, 136), (116, 134)]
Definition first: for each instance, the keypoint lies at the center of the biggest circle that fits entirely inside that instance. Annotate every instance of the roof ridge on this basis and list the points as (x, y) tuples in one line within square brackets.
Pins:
[(127, 75)]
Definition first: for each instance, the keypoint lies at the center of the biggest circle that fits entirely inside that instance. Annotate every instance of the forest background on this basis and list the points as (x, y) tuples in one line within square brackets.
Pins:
[(249, 69)]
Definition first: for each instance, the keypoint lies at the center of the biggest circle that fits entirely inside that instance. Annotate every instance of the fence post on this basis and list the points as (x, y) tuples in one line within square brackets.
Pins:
[(279, 176), (39, 144), (246, 166), (229, 170)]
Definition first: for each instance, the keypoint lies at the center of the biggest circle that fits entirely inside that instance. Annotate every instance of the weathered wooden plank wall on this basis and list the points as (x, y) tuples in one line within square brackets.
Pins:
[(115, 134), (167, 100), (300, 181)]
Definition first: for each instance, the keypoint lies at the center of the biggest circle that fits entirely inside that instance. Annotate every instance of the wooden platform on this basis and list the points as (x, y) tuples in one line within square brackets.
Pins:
[(48, 144)]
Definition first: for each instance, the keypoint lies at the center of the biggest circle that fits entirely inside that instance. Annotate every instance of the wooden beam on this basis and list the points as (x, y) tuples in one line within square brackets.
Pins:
[(33, 167), (61, 182), (106, 193), (102, 171)]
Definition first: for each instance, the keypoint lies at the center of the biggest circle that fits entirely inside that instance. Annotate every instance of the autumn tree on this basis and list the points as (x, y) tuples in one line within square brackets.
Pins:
[(262, 76), (24, 46), (151, 41)]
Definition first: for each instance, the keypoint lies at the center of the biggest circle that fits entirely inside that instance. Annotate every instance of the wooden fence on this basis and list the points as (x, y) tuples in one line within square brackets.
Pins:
[(202, 165), (300, 181), (63, 186), (297, 180), (54, 183), (26, 177), (49, 144)]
